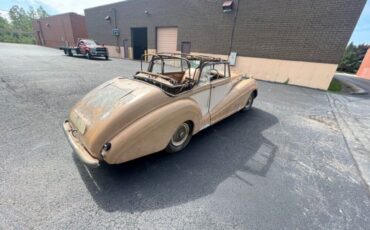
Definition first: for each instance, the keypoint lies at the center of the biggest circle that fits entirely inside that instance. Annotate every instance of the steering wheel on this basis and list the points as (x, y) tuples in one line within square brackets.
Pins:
[(213, 73)]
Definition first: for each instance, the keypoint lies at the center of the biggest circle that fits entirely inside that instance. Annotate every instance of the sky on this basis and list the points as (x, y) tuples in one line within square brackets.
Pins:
[(360, 35)]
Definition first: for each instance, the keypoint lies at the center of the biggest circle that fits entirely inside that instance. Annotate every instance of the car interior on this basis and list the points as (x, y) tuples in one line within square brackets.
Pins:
[(176, 73)]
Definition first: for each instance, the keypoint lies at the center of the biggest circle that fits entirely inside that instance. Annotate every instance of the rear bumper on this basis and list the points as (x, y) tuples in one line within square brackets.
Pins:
[(78, 148)]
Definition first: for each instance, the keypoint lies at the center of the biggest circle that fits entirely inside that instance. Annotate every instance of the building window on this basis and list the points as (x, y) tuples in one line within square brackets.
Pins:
[(227, 6)]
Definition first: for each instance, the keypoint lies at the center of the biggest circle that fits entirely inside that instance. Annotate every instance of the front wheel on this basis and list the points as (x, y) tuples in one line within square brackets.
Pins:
[(181, 138), (106, 57), (88, 55)]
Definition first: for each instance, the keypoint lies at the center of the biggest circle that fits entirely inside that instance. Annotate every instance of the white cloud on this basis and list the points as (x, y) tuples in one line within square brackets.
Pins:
[(64, 6), (5, 15)]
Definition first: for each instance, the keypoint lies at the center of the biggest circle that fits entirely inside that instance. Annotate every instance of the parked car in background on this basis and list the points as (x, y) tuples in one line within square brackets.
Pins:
[(157, 109), (88, 48)]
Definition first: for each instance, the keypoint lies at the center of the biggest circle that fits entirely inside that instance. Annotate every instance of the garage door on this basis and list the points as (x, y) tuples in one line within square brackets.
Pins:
[(167, 40)]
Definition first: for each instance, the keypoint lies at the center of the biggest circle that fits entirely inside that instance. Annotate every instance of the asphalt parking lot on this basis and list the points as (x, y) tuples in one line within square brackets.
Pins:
[(288, 163)]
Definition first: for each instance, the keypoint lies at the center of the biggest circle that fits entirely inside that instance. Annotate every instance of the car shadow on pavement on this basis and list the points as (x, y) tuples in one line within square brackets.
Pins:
[(232, 147)]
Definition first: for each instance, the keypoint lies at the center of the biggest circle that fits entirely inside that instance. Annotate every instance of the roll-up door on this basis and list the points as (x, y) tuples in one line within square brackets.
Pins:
[(167, 40)]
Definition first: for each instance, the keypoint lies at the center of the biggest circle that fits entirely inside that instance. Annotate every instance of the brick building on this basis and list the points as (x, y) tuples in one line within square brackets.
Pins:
[(59, 30), (299, 42), (364, 70)]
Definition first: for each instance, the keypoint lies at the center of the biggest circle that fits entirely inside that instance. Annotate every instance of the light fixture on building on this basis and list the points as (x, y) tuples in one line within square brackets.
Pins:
[(47, 25), (107, 18), (227, 6), (147, 12)]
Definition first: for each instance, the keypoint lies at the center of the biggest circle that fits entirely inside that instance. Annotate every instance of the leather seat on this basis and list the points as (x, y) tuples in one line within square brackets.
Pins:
[(193, 75)]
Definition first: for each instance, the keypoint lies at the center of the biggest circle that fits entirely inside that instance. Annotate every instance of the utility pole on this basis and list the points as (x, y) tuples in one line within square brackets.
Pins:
[(115, 27)]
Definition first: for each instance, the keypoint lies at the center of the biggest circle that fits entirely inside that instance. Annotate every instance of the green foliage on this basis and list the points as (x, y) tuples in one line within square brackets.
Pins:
[(20, 19), (335, 86), (4, 25), (41, 13), (352, 58), (19, 30)]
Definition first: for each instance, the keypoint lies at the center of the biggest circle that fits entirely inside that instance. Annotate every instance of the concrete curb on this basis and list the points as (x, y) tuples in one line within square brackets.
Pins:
[(354, 89), (348, 86)]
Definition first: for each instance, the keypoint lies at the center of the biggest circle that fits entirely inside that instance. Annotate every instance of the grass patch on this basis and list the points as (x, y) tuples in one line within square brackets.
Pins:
[(335, 86)]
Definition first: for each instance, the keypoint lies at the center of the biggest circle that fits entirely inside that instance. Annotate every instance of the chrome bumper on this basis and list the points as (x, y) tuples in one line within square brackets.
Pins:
[(78, 148)]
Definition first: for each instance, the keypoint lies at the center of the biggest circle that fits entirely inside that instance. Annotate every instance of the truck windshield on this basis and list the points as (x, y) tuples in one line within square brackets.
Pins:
[(90, 42)]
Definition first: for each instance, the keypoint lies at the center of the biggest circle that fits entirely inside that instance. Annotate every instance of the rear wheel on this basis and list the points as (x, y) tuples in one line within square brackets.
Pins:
[(249, 103), (181, 138), (106, 57), (70, 53), (88, 55)]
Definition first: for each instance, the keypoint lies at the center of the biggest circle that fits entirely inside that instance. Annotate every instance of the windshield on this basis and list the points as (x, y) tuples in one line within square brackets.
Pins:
[(194, 63), (90, 42), (168, 66), (172, 74)]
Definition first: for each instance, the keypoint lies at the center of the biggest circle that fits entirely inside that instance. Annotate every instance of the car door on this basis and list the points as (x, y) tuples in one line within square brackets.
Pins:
[(202, 95), (82, 47), (220, 87)]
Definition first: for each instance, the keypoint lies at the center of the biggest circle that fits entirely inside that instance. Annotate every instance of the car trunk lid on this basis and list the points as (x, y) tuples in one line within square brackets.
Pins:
[(110, 107)]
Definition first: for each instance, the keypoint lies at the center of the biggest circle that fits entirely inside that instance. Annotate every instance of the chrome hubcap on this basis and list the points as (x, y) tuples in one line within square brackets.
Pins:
[(181, 135)]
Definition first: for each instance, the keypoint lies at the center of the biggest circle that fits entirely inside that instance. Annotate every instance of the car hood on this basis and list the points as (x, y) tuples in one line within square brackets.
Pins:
[(111, 107)]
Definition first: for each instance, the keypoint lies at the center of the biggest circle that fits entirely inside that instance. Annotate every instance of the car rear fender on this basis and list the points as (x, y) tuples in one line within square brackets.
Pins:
[(244, 89), (152, 132), (235, 100)]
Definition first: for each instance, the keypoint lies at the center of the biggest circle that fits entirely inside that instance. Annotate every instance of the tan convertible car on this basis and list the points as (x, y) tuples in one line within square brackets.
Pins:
[(158, 109)]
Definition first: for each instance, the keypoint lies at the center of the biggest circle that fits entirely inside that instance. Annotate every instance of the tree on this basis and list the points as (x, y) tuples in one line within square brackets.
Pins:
[(352, 58), (32, 13), (361, 50), (5, 30), (20, 19), (20, 28), (4, 24), (41, 13)]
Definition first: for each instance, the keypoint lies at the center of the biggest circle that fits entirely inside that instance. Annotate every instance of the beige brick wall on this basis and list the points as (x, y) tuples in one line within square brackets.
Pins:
[(115, 52), (308, 74)]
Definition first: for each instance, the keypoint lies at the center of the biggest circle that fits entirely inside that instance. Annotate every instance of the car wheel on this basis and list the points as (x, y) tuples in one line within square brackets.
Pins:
[(249, 103), (70, 53), (88, 55), (106, 57), (181, 138)]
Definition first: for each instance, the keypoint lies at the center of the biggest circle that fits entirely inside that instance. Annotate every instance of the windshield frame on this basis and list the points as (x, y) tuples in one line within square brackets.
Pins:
[(213, 63), (171, 88), (162, 58)]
